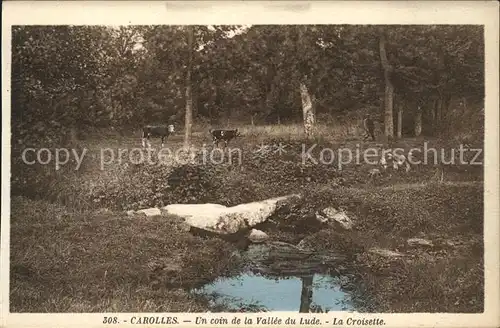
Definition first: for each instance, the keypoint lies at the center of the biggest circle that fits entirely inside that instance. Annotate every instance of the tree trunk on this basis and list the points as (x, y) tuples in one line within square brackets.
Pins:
[(389, 88), (400, 122), (307, 110), (306, 294), (189, 93), (418, 121), (194, 102)]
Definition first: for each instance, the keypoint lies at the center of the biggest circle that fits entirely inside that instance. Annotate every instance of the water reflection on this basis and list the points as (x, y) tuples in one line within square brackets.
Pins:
[(256, 292), (306, 294)]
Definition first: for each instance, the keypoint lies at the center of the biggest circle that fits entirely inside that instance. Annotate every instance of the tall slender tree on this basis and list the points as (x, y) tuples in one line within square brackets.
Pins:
[(418, 121), (303, 67), (389, 88), (189, 90), (399, 128)]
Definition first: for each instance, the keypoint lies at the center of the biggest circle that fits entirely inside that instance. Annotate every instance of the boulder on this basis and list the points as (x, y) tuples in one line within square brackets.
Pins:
[(257, 236), (211, 217), (331, 214), (226, 220), (258, 212), (321, 218)]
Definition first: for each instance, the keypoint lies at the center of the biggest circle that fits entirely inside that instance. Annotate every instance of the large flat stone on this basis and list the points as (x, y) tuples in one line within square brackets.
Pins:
[(226, 220)]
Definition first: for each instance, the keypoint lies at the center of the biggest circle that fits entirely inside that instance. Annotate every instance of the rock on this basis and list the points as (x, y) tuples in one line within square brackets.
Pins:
[(130, 212), (332, 214), (258, 212), (385, 252), (186, 210), (210, 217), (150, 211), (226, 220), (257, 236), (304, 244), (321, 218), (419, 242)]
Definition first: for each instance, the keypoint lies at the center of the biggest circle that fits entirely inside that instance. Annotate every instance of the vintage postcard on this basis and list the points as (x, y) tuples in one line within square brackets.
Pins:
[(252, 164)]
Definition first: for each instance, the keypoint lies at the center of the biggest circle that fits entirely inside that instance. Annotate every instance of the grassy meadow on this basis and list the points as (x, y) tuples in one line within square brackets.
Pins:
[(74, 249)]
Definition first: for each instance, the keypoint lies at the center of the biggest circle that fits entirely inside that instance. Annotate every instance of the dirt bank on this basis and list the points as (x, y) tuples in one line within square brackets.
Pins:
[(416, 249), (62, 261), (104, 261)]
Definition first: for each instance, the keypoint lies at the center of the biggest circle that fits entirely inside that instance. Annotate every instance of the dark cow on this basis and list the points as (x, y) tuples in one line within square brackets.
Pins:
[(156, 131), (223, 135)]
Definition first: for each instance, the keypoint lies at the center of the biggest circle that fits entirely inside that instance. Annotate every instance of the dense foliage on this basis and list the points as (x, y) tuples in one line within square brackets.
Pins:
[(91, 76)]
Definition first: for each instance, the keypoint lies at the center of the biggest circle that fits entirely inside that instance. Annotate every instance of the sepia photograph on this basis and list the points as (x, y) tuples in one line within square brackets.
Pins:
[(247, 168)]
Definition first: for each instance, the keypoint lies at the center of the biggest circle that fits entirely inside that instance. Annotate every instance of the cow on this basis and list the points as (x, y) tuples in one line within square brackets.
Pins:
[(156, 131), (223, 135)]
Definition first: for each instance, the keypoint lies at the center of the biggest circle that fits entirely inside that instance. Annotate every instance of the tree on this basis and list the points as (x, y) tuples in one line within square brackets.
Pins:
[(189, 92), (399, 118), (418, 121), (55, 72), (389, 88), (303, 69), (307, 110)]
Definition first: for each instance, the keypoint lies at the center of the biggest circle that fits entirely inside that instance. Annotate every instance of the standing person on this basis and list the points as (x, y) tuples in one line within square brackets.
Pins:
[(369, 127)]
